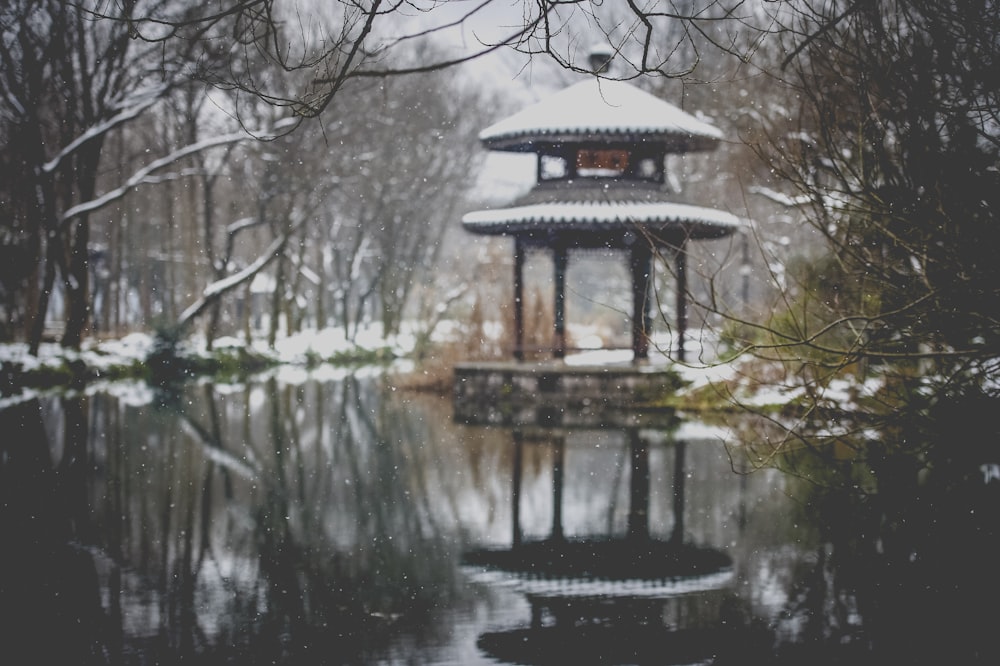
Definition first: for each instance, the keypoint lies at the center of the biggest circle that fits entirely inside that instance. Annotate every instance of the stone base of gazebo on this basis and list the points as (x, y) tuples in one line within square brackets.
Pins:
[(554, 394)]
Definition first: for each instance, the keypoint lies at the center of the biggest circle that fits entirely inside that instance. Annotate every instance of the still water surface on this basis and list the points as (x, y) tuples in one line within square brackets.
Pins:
[(335, 521)]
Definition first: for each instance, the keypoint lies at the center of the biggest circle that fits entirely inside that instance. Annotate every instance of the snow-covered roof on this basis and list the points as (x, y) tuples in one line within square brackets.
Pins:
[(601, 110), (692, 221)]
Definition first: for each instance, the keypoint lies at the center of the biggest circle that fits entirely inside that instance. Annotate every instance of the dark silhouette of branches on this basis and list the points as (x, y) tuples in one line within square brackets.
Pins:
[(319, 46)]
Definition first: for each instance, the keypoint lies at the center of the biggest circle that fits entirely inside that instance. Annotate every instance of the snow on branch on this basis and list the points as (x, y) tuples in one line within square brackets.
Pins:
[(781, 198), (243, 223), (214, 291), (140, 176), (101, 128)]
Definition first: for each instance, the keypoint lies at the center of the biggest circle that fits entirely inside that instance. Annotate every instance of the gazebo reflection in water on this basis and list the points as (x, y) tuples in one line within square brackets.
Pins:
[(626, 595)]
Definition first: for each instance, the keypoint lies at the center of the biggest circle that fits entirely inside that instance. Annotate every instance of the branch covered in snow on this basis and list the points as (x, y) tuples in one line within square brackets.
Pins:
[(141, 176), (243, 223), (121, 118), (214, 291), (781, 198)]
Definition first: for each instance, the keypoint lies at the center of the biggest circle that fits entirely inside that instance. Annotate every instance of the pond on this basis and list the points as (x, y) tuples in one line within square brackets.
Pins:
[(331, 519)]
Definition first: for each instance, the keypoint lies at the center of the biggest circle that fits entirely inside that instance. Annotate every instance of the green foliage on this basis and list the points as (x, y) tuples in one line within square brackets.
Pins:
[(901, 167), (361, 356), (233, 362)]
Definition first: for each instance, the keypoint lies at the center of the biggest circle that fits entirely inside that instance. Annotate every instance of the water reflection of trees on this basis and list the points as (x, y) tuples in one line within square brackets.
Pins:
[(50, 598), (906, 521), (273, 522), (265, 523)]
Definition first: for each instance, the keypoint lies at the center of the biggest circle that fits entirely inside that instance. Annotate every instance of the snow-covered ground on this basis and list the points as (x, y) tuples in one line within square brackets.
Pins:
[(292, 353), (98, 355), (296, 357), (135, 347)]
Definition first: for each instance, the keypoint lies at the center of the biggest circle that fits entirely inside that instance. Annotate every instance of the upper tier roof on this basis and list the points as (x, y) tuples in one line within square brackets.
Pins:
[(601, 110)]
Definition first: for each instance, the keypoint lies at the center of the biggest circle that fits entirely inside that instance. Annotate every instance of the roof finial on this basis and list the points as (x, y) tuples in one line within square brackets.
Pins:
[(600, 58)]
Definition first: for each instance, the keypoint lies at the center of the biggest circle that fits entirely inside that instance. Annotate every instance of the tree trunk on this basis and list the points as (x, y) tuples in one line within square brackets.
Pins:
[(321, 321), (76, 281), (276, 298), (76, 277), (247, 313), (48, 282)]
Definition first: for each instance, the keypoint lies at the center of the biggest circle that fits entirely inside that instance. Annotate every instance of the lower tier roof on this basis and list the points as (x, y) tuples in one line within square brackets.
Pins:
[(604, 221)]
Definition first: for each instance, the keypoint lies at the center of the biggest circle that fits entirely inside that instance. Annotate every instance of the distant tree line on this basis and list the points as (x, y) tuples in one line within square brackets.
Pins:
[(149, 178)]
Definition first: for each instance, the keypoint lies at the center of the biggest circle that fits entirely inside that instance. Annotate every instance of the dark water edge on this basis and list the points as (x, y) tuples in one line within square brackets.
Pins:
[(334, 521)]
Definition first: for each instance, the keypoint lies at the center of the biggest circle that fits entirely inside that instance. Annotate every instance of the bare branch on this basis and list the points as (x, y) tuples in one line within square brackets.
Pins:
[(140, 176), (215, 291)]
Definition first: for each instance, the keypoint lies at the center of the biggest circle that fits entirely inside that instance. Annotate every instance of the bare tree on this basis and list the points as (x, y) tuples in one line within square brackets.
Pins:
[(386, 172), (423, 153), (67, 81)]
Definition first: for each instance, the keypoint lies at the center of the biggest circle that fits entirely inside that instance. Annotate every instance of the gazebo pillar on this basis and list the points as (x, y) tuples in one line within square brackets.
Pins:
[(560, 257), (518, 299), (641, 261), (681, 264)]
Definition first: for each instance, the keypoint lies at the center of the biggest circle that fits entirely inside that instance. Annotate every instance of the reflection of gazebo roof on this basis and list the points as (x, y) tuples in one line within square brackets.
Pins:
[(641, 643), (606, 600), (603, 567), (601, 110)]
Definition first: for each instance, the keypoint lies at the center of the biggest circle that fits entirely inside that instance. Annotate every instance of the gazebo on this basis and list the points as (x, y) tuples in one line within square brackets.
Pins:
[(601, 148)]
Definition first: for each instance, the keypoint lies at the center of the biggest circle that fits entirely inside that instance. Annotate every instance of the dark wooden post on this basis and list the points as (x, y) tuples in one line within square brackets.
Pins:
[(677, 534), (558, 458), (560, 260), (681, 301), (518, 299), (638, 513), (518, 534), (641, 260)]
